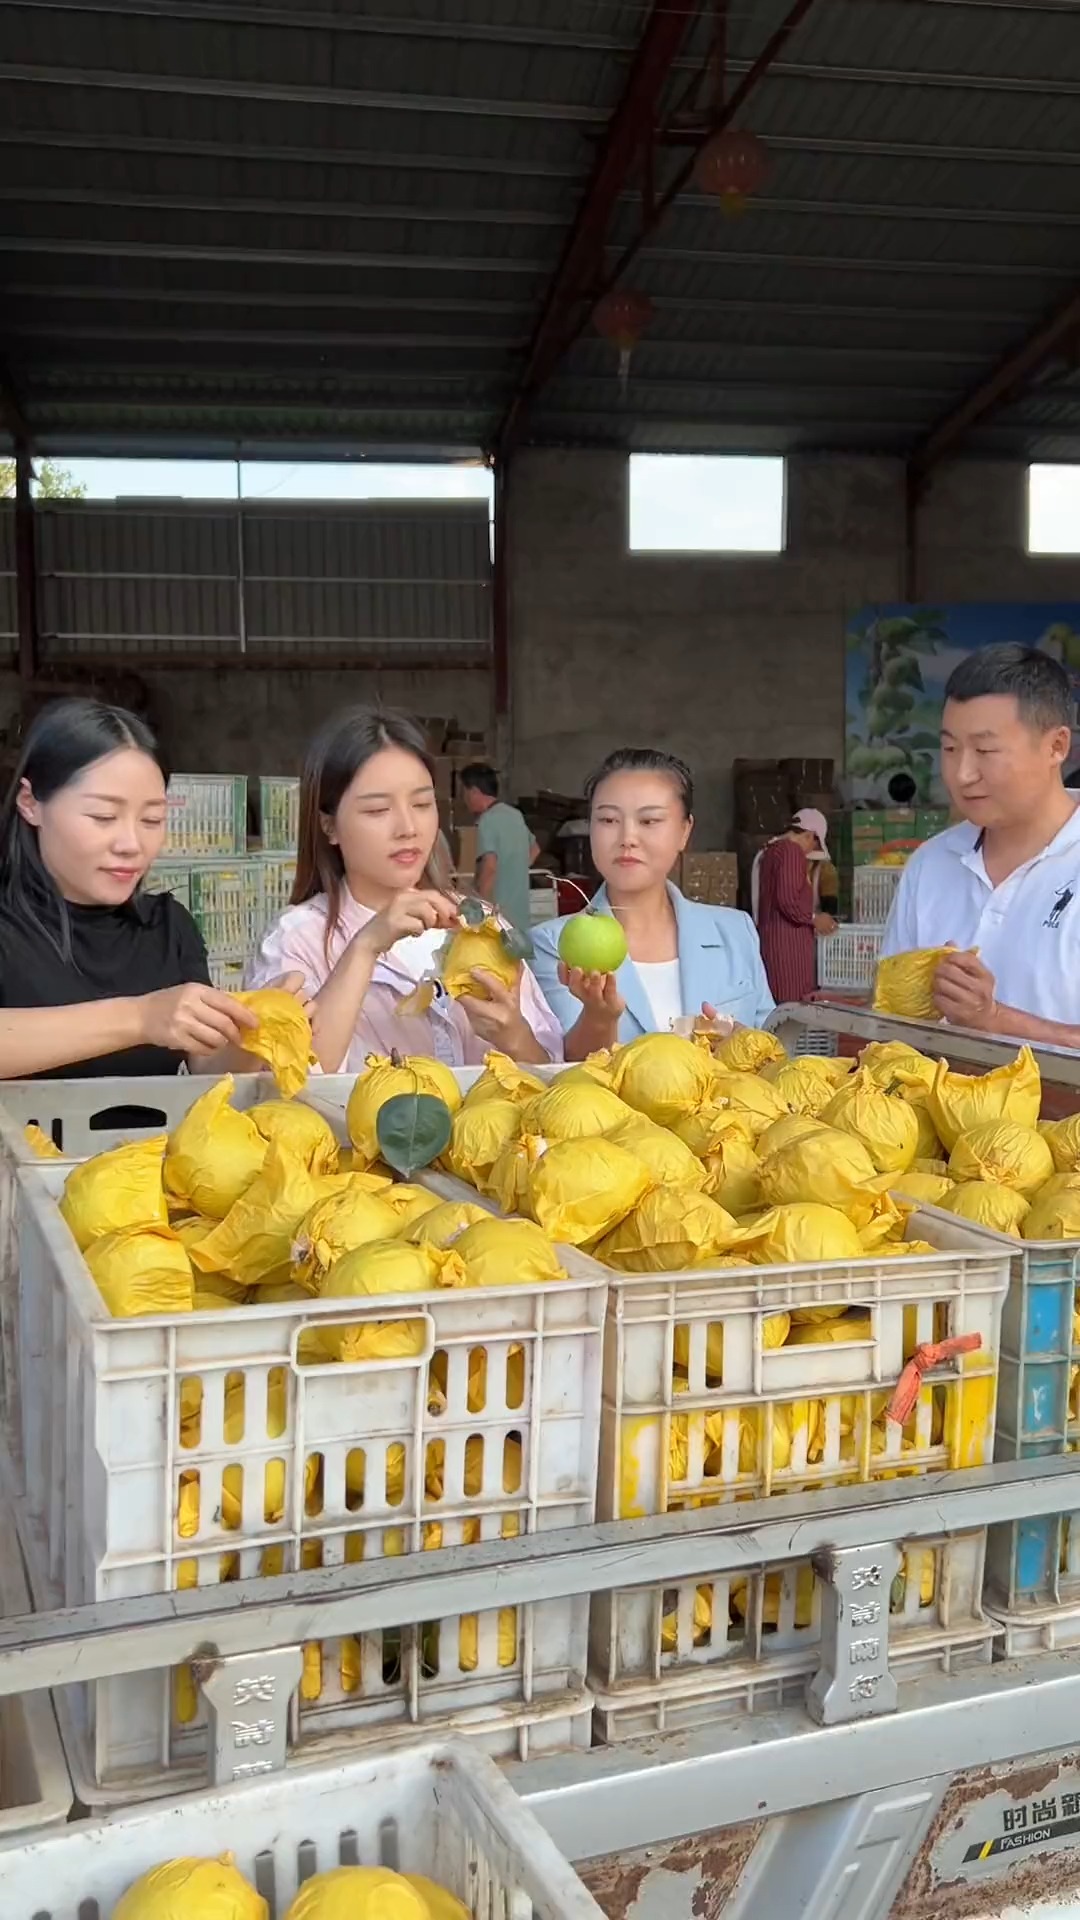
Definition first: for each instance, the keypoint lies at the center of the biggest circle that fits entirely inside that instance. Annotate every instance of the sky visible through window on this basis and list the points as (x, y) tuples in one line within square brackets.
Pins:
[(278, 480), (1054, 509), (706, 503)]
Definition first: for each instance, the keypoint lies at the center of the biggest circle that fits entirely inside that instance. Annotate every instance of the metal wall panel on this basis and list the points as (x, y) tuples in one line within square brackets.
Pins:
[(166, 579)]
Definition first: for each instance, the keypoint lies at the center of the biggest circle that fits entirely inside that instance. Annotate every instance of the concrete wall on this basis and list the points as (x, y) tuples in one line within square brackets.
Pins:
[(714, 656)]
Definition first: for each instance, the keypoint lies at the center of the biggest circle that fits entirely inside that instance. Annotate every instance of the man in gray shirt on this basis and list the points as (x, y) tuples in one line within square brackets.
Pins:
[(505, 849)]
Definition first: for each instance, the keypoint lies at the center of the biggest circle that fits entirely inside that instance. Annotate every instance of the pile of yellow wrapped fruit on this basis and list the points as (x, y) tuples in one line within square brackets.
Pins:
[(672, 1153), (217, 1890), (264, 1205)]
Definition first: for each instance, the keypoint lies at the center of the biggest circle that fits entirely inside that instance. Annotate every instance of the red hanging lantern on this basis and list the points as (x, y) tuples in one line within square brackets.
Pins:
[(622, 316), (733, 165)]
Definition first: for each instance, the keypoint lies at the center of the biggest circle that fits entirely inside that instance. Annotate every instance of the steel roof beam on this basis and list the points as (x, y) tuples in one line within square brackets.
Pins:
[(245, 205), (571, 285), (11, 408), (199, 86), (362, 158), (1011, 372)]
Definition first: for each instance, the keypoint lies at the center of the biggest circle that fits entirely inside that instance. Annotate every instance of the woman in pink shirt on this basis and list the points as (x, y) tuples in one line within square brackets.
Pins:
[(372, 905)]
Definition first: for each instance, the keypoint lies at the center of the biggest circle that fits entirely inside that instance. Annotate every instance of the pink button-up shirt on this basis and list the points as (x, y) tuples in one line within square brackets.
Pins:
[(297, 944)]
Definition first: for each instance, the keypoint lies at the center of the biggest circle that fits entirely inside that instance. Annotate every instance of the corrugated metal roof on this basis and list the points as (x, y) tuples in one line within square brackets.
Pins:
[(253, 221)]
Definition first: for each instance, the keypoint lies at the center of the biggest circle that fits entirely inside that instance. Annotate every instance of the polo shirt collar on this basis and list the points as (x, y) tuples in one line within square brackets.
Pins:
[(970, 846)]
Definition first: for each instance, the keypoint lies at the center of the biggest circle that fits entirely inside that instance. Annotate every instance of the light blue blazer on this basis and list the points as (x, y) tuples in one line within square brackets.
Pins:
[(719, 962)]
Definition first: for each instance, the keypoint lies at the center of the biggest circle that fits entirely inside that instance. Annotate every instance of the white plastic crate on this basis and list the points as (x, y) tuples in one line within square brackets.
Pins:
[(171, 876), (103, 1465), (207, 813), (279, 813), (847, 959), (874, 890), (84, 1117), (785, 1419), (227, 971), (227, 904), (278, 877), (444, 1811), (35, 1790)]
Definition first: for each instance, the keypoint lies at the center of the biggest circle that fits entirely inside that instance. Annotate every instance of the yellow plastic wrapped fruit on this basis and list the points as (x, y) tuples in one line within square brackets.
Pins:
[(478, 1137), (481, 949), (930, 1188), (782, 1132), (255, 1238), (883, 1122), (986, 1205), (1055, 1213), (192, 1890), (960, 1101), (668, 1159), (214, 1153), (141, 1270), (383, 1267), (574, 1110), (848, 1326), (889, 1061), (928, 1146), (441, 1904), (711, 1126), (1063, 1139), (114, 1190), (358, 1893), (663, 1075), (282, 1038), (827, 1165), (508, 1181), (408, 1203), (671, 1228), (733, 1174), (748, 1050), (775, 1328), (300, 1130), (503, 1079), (40, 1144), (755, 1100), (800, 1234), (336, 1226), (507, 1253), (580, 1189), (904, 982), (802, 1092), (445, 1224), (1002, 1151), (383, 1080)]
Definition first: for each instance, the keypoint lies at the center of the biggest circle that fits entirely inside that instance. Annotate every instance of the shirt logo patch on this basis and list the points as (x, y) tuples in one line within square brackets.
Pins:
[(1053, 918)]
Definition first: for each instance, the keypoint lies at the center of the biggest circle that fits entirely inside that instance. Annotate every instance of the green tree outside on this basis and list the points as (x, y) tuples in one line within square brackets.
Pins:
[(51, 482)]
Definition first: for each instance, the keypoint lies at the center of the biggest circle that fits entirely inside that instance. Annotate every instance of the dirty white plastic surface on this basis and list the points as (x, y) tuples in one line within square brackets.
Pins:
[(444, 1811), (35, 1790)]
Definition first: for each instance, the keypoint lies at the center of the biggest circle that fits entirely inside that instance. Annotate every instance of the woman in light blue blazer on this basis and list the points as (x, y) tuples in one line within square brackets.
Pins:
[(684, 959)]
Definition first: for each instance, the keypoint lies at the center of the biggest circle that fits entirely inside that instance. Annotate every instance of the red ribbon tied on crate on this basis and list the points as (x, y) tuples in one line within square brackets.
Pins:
[(931, 1355)]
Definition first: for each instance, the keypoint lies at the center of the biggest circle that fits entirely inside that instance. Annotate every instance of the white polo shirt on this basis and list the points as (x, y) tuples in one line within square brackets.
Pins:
[(1027, 930)]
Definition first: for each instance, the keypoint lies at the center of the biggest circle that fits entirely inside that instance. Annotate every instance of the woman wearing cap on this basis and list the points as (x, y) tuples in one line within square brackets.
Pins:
[(784, 906)]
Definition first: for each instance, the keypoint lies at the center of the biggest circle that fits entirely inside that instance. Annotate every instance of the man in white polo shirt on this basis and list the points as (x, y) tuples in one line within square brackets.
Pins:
[(1004, 887)]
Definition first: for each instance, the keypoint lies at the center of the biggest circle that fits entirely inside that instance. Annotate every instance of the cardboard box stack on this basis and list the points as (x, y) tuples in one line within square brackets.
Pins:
[(710, 877)]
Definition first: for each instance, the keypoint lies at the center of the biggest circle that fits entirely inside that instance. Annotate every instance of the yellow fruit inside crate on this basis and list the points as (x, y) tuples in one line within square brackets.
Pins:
[(580, 1189), (122, 1188), (503, 1079), (1054, 1212), (1005, 1153), (663, 1076), (254, 1241), (443, 1224), (383, 1267), (574, 1110), (142, 1270), (800, 1234), (733, 1174), (755, 1101), (358, 1893), (959, 1101), (300, 1130), (879, 1118), (213, 1154), (987, 1205), (478, 1137), (928, 1187), (502, 1253), (670, 1228), (802, 1092), (338, 1225), (507, 1182), (409, 1203), (1063, 1139), (201, 1889), (668, 1160), (384, 1079), (748, 1050), (40, 1143)]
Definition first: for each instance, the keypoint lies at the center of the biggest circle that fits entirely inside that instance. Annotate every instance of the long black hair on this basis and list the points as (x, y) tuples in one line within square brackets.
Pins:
[(334, 759), (66, 737)]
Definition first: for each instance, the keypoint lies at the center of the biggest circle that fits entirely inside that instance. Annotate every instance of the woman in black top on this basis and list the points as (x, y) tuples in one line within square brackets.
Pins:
[(97, 977)]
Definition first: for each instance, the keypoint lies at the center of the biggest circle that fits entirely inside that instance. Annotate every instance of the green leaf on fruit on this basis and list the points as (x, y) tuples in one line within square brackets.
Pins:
[(412, 1130)]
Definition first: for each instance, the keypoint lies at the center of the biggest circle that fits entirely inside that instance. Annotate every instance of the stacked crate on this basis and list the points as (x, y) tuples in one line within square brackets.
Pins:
[(232, 895)]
